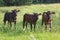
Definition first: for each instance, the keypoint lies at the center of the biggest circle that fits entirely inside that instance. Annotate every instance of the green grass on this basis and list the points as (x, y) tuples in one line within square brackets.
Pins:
[(40, 34)]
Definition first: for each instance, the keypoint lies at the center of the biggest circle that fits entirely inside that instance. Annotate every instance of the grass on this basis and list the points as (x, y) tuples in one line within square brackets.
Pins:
[(19, 34)]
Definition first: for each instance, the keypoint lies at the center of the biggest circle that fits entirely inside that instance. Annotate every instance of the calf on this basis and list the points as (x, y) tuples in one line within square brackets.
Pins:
[(47, 19), (10, 17), (31, 19)]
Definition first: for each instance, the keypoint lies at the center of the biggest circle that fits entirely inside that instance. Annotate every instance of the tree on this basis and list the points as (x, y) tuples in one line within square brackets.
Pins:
[(1, 2), (8, 2)]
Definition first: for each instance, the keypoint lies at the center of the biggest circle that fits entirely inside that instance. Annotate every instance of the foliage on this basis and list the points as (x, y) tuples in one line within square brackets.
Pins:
[(25, 2)]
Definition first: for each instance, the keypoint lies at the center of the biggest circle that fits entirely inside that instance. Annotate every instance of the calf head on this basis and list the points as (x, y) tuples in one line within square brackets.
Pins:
[(49, 14), (15, 12), (37, 14)]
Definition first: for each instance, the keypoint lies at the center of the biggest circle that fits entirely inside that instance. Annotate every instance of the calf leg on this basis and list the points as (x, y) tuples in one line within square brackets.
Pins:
[(45, 26), (34, 26), (10, 25), (26, 25), (50, 26), (23, 24), (4, 22), (15, 24), (31, 26)]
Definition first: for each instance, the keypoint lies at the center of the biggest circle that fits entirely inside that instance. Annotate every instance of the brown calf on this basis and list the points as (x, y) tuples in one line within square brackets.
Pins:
[(31, 19), (47, 19)]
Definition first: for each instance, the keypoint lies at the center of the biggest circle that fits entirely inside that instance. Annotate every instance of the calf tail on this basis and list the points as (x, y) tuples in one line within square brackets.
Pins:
[(42, 22), (23, 22), (4, 20)]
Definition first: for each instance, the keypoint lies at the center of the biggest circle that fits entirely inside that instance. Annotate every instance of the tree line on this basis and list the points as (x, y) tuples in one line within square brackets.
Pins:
[(25, 2)]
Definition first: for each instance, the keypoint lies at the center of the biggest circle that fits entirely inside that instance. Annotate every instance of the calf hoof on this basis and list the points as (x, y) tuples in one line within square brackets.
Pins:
[(50, 30), (24, 29)]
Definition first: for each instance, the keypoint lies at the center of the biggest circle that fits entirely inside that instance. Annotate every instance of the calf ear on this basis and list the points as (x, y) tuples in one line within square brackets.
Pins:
[(35, 13), (12, 10), (39, 14), (18, 10), (44, 12), (53, 12)]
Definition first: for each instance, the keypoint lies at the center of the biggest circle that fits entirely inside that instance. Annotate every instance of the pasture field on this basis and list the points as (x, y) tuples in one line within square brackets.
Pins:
[(40, 33)]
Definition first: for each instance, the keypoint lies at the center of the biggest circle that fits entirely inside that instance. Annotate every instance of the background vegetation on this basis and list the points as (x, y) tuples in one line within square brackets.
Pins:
[(25, 2)]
